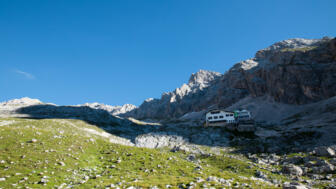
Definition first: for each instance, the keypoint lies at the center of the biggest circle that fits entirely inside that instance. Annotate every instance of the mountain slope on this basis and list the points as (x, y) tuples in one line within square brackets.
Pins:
[(294, 71), (58, 153)]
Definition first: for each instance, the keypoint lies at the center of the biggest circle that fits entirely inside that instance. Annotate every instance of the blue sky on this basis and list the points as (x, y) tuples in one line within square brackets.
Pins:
[(117, 52)]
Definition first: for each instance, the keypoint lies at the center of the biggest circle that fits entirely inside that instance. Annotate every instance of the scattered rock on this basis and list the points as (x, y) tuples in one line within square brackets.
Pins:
[(326, 168), (260, 174), (199, 179), (191, 157), (293, 185)]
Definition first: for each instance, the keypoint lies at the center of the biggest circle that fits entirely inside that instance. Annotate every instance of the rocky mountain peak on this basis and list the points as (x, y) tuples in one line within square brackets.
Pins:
[(197, 81), (25, 101), (203, 77), (291, 45), (114, 110), (246, 64)]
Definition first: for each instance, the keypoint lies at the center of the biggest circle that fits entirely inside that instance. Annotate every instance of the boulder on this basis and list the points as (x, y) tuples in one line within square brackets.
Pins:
[(324, 151), (292, 170), (326, 168)]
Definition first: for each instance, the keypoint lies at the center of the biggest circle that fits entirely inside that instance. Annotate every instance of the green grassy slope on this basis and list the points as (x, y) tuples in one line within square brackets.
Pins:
[(65, 154)]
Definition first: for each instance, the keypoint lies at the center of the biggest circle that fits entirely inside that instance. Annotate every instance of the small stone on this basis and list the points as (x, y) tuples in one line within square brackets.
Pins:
[(97, 176), (2, 179), (25, 178), (212, 179), (191, 157), (33, 140), (260, 174), (111, 186), (61, 163), (199, 179)]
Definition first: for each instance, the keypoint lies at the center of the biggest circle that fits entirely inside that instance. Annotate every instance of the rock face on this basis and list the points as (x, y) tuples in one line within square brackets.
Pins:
[(294, 71), (181, 100)]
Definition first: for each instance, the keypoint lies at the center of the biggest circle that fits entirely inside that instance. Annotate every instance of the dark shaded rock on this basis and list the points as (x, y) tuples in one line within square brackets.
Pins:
[(324, 151), (292, 170)]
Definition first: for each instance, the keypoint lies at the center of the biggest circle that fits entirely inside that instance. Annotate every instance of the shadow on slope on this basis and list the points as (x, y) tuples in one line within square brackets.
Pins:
[(141, 135), (305, 133), (98, 117)]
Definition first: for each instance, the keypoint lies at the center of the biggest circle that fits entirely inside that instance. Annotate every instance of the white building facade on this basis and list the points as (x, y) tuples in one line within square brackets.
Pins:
[(219, 116)]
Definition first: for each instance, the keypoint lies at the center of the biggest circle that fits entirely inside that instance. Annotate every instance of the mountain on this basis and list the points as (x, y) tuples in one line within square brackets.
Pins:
[(294, 71), (114, 110), (93, 113), (290, 84), (181, 100), (9, 107)]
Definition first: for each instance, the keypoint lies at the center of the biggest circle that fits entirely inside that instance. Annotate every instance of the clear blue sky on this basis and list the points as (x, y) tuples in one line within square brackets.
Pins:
[(116, 52)]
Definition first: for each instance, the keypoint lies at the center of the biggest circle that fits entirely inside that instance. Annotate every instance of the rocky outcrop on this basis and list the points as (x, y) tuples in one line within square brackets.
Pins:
[(158, 140), (294, 71)]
